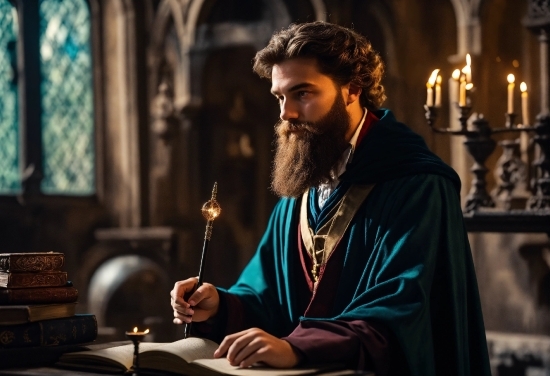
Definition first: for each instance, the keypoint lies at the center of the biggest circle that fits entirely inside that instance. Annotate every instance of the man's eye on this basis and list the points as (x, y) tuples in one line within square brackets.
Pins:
[(302, 94)]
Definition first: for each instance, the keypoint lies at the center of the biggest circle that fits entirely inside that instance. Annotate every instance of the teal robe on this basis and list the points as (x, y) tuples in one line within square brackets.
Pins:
[(407, 262)]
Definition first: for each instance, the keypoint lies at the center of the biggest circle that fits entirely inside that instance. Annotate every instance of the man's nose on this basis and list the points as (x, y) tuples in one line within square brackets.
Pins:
[(288, 111)]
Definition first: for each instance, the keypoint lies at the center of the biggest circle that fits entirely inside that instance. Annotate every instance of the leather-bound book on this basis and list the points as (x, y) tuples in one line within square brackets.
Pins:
[(22, 314), (31, 262), (57, 332), (27, 280), (39, 295)]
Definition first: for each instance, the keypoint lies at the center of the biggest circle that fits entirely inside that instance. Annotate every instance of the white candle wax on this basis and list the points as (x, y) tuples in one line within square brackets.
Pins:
[(511, 85), (511, 98), (462, 93), (524, 104), (438, 92)]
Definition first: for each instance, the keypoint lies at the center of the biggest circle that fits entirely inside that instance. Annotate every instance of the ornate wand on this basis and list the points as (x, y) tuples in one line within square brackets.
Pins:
[(210, 210)]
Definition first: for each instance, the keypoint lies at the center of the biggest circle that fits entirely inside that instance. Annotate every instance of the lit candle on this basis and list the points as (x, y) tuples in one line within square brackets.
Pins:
[(462, 92), (524, 103), (136, 337), (511, 80), (467, 70), (438, 91), (137, 334), (429, 86), (429, 95), (453, 87)]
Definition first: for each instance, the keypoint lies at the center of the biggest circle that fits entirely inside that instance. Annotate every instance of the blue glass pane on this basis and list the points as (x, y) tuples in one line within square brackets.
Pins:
[(10, 179), (67, 97)]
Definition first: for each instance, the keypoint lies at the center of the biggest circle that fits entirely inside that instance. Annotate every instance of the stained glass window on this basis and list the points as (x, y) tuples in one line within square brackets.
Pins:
[(10, 178), (67, 97)]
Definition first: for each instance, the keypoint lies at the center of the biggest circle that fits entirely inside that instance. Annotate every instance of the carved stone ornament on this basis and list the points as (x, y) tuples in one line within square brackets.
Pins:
[(164, 121), (510, 171)]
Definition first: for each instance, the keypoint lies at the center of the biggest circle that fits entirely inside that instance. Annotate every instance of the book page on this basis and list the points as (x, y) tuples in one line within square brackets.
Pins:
[(122, 356), (190, 348), (222, 365)]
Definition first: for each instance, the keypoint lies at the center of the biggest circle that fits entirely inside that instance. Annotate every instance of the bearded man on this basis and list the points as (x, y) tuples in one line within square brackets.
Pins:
[(365, 260)]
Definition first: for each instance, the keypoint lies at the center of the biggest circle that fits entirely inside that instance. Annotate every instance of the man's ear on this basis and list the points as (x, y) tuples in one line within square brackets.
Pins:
[(354, 92)]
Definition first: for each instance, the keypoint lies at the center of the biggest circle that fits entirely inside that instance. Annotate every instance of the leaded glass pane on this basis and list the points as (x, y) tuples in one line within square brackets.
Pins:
[(67, 97), (10, 179)]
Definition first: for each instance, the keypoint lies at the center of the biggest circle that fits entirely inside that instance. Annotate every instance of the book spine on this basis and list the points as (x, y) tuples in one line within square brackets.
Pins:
[(26, 280), (31, 262), (40, 295), (67, 331)]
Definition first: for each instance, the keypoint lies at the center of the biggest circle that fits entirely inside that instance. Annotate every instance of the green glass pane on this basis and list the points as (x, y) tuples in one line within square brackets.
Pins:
[(10, 179), (67, 97)]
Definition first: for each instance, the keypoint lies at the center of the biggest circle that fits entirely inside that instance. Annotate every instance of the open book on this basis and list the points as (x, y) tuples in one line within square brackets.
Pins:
[(191, 356)]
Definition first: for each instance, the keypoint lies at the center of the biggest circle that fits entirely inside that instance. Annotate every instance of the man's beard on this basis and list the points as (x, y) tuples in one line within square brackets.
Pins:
[(304, 159)]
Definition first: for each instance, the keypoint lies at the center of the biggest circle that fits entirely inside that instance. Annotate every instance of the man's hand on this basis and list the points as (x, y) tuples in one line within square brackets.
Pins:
[(200, 306), (254, 345)]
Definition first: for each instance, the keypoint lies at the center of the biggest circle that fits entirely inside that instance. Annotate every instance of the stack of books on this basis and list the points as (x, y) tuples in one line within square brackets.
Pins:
[(37, 303)]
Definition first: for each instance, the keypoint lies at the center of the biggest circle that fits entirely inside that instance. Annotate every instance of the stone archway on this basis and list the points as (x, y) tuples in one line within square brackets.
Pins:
[(188, 37)]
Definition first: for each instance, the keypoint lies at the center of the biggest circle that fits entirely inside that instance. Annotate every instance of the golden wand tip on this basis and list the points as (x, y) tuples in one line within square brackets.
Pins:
[(214, 191), (211, 209)]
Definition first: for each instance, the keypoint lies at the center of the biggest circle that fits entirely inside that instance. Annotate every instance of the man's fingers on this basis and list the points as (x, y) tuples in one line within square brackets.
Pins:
[(184, 311), (181, 288), (227, 341), (256, 357), (199, 295), (246, 351), (239, 344)]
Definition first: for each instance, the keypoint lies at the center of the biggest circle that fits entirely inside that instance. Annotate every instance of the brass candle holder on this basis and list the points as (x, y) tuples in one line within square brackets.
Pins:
[(136, 337), (480, 145)]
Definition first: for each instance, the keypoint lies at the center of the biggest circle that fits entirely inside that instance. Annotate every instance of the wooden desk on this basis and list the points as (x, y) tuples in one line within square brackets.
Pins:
[(47, 371), (50, 371), (38, 361)]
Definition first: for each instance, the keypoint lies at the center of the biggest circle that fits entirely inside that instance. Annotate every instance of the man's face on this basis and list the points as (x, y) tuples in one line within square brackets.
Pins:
[(311, 135)]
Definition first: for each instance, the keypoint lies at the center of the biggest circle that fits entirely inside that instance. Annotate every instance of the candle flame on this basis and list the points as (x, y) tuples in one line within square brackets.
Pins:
[(469, 86), (433, 77), (511, 78), (135, 329), (468, 60), (439, 79), (146, 331), (456, 74), (523, 87)]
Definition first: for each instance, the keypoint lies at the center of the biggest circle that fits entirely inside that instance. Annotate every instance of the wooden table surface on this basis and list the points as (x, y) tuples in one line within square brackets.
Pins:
[(47, 371)]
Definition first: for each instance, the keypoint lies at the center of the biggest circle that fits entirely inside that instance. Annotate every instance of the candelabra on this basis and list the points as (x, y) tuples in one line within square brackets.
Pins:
[(480, 146), (479, 142)]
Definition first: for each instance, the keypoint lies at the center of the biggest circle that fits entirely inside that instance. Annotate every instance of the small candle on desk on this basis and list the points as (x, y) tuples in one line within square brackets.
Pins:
[(511, 79), (137, 334), (438, 91), (524, 104), (136, 337), (429, 86)]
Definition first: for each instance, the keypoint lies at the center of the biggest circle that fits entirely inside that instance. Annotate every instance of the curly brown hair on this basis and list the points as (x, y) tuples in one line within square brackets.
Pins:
[(342, 54)]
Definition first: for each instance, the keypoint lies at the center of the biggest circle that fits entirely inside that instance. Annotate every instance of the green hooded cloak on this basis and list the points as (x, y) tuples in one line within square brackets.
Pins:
[(407, 259)]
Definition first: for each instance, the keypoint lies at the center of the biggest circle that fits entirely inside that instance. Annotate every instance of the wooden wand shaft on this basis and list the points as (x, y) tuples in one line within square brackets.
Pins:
[(207, 236)]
